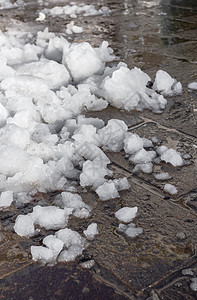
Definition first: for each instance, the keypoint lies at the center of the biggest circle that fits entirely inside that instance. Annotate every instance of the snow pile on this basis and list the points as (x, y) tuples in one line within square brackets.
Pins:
[(47, 144), (73, 10)]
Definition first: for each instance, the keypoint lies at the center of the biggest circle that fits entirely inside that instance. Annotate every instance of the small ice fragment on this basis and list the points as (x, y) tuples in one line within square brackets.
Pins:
[(41, 17), (173, 157), (71, 28), (6, 199), (107, 191), (24, 226), (156, 140), (162, 176), (122, 227), (171, 189), (133, 231), (53, 243), (87, 264), (193, 86), (126, 214), (187, 272), (91, 231), (70, 237), (42, 253), (147, 143), (181, 235), (193, 285)]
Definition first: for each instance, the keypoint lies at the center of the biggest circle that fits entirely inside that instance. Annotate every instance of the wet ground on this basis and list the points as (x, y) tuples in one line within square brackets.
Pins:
[(151, 35)]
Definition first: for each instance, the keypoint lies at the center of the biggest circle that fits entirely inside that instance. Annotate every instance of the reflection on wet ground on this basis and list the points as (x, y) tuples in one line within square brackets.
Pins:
[(151, 35)]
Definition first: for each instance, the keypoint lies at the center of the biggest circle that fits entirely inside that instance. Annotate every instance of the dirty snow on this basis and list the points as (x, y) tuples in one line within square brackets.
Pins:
[(171, 189)]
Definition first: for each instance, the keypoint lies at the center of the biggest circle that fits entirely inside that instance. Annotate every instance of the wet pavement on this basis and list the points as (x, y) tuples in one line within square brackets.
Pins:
[(151, 35)]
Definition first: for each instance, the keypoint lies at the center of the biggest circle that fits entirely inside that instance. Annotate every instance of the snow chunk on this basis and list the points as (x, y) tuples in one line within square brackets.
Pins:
[(40, 253), (72, 28), (192, 86), (6, 199), (82, 61), (161, 149), (122, 184), (132, 143), (70, 237), (142, 156), (49, 217), (70, 254), (126, 214), (24, 226), (145, 168), (107, 191), (53, 73), (53, 243), (165, 84), (130, 229), (162, 176), (171, 189), (173, 157), (113, 134), (91, 231)]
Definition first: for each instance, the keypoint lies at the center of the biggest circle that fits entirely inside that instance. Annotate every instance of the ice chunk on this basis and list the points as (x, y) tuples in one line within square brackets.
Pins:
[(173, 157), (132, 143), (93, 173), (82, 61), (24, 226), (133, 231), (72, 28), (122, 184), (53, 73), (49, 217), (130, 229), (86, 133), (192, 86), (12, 134), (113, 134), (53, 243), (91, 231), (162, 176), (145, 168), (171, 189), (165, 84), (3, 114), (193, 285), (126, 214), (40, 253), (70, 254), (92, 152), (161, 149), (147, 143), (142, 156), (107, 191), (125, 87), (70, 237), (6, 199)]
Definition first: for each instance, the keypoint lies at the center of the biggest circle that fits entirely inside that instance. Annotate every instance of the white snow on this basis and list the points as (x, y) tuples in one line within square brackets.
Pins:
[(126, 214), (53, 243), (91, 231), (162, 176), (171, 189), (43, 254), (72, 28), (6, 199), (192, 85), (130, 229), (24, 226), (167, 85), (107, 191), (173, 157), (132, 143)]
